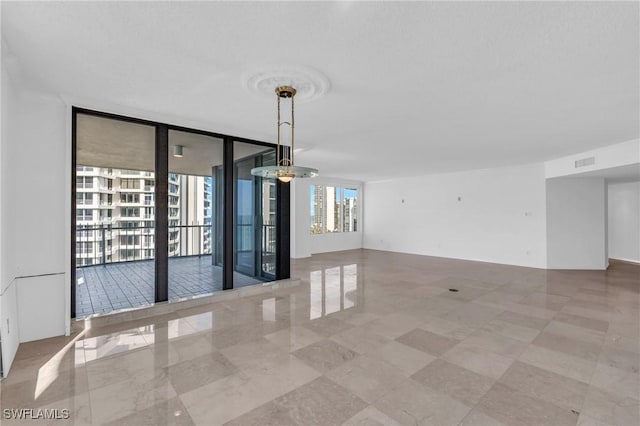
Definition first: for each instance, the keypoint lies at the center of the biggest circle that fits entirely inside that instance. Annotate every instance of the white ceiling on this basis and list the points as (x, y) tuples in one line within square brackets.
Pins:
[(108, 143), (416, 87)]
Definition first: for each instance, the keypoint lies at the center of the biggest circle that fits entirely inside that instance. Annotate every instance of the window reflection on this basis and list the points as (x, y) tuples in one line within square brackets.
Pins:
[(332, 290), (316, 309), (332, 284), (111, 344), (154, 333), (269, 309), (350, 280)]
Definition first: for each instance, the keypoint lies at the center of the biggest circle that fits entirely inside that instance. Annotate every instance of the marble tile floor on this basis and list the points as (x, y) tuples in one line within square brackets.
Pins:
[(365, 338), (123, 285)]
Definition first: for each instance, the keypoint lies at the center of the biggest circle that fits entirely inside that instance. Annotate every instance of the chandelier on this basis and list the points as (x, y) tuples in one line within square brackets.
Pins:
[(285, 170)]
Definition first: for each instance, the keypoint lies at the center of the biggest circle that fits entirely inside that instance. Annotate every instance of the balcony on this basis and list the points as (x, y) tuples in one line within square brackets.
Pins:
[(107, 173), (132, 173), (132, 189), (122, 277), (103, 189), (85, 171)]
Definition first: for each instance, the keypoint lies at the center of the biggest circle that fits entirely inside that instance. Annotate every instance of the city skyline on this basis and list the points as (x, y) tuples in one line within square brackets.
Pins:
[(333, 209)]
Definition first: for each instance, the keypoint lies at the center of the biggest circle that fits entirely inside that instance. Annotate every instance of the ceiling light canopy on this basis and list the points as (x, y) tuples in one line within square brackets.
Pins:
[(285, 170)]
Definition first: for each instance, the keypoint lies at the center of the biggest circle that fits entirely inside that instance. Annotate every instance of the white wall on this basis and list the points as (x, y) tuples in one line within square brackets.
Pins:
[(39, 170), (9, 334), (41, 306), (303, 244), (36, 209), (576, 223), (493, 215), (624, 221)]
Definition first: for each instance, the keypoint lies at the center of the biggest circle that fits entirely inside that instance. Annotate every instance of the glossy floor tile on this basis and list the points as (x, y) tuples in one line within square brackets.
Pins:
[(357, 338)]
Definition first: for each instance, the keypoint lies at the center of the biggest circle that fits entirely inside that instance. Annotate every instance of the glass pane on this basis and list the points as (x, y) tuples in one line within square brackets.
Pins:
[(195, 214), (268, 215), (114, 230), (350, 210), (254, 216), (317, 209), (332, 204)]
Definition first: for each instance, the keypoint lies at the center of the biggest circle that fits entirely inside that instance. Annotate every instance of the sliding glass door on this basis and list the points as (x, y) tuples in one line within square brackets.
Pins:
[(254, 216), (163, 213), (193, 269), (114, 215)]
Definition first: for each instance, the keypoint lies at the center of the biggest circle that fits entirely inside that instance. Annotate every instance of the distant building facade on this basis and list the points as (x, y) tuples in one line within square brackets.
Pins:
[(115, 215)]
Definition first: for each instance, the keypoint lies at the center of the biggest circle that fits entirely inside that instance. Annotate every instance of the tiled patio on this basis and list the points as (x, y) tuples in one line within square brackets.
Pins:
[(114, 286)]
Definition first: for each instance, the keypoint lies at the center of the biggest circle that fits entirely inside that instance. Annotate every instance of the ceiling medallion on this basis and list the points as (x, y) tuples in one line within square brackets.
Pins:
[(309, 83)]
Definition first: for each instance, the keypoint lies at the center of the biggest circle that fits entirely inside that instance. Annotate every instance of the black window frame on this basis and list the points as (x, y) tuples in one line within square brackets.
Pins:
[(162, 206)]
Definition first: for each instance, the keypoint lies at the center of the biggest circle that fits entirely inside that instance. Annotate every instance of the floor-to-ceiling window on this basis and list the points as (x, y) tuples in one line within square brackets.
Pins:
[(157, 209), (195, 262), (254, 215), (114, 217)]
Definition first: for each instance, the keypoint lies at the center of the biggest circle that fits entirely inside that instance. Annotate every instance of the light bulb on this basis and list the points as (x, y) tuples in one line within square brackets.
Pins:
[(285, 178)]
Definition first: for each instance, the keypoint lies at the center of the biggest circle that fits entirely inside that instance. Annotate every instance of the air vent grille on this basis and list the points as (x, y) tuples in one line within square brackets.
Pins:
[(589, 161)]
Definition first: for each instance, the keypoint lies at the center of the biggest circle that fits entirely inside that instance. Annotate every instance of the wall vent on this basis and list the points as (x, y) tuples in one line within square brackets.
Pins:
[(589, 161)]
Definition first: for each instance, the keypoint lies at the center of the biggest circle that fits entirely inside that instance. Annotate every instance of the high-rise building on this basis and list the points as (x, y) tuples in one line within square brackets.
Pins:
[(349, 213), (115, 215), (268, 225), (194, 215), (316, 209)]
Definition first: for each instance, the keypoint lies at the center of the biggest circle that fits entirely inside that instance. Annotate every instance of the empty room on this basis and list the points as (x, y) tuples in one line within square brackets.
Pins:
[(320, 213)]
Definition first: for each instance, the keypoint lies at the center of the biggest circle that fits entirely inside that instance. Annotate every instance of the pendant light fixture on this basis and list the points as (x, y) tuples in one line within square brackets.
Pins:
[(285, 170)]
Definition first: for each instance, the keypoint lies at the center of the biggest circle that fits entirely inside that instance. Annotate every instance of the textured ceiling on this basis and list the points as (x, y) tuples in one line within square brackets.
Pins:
[(416, 87), (108, 143)]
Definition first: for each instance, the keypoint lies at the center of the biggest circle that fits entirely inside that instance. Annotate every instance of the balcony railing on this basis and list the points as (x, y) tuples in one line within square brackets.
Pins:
[(245, 243), (113, 244), (137, 243)]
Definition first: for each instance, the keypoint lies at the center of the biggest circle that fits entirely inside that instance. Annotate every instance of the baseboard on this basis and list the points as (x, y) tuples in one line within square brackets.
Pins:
[(625, 261)]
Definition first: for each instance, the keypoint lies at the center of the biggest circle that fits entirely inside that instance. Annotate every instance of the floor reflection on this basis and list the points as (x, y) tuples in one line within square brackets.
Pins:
[(332, 290)]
